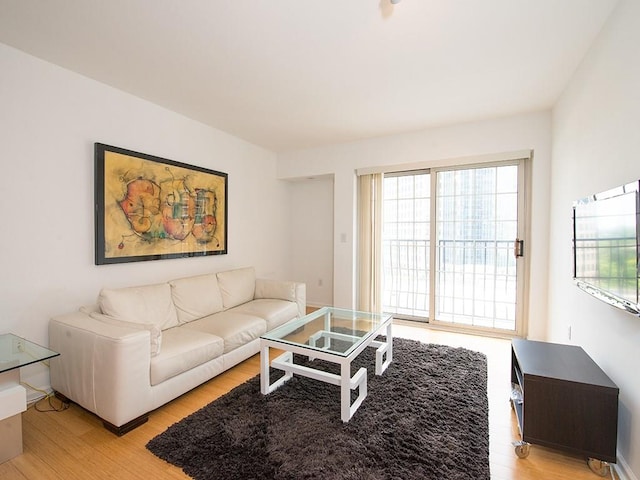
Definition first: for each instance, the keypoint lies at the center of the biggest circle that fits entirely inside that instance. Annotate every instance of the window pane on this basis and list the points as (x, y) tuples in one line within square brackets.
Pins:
[(405, 246)]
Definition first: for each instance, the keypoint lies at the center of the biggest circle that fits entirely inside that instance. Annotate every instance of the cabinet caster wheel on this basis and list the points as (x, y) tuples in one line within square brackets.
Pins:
[(522, 449), (599, 467)]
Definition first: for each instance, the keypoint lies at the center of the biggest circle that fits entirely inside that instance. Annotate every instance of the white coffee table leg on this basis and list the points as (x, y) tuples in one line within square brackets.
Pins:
[(345, 392), (264, 368), (384, 348), (348, 383), (283, 362)]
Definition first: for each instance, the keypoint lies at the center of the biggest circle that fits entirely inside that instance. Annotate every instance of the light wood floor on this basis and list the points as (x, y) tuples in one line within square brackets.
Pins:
[(73, 444)]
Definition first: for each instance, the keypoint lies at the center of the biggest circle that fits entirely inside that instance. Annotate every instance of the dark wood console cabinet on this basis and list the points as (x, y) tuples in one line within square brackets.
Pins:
[(565, 400)]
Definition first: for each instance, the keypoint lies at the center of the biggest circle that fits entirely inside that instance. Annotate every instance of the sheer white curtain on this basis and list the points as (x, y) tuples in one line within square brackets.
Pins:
[(370, 242)]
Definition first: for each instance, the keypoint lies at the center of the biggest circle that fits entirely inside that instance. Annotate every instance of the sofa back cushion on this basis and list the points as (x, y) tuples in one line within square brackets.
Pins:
[(237, 286), (196, 297), (146, 304), (281, 290)]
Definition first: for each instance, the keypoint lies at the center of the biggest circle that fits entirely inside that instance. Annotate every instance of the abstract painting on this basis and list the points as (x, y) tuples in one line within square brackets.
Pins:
[(151, 208)]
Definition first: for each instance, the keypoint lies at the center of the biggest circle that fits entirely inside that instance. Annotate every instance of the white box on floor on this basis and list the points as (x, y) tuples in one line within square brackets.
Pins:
[(13, 400), (11, 434)]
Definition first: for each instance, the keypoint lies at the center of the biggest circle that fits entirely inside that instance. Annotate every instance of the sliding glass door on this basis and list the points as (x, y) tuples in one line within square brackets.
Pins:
[(461, 269)]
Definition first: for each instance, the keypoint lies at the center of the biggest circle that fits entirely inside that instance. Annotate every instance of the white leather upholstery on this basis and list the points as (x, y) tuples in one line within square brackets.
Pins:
[(275, 312), (283, 290), (143, 304), (196, 297), (235, 328), (103, 368), (106, 362), (237, 286), (275, 289), (155, 333), (182, 350)]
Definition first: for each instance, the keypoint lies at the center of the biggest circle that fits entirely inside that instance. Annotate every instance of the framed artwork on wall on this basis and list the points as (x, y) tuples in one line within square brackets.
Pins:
[(151, 208)]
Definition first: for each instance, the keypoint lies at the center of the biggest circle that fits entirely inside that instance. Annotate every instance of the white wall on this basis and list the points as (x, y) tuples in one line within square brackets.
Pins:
[(312, 238), (49, 121), (434, 147), (596, 146)]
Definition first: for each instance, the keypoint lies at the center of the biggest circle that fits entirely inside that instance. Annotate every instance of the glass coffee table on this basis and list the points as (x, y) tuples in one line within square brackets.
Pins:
[(331, 334)]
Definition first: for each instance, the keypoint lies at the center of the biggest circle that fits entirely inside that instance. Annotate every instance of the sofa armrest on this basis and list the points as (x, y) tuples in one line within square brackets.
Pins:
[(283, 290), (102, 367)]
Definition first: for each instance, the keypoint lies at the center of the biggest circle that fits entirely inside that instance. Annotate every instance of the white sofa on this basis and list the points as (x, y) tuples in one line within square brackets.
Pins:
[(141, 347)]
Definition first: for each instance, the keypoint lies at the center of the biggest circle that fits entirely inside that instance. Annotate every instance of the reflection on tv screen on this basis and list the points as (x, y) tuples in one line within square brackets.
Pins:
[(605, 245)]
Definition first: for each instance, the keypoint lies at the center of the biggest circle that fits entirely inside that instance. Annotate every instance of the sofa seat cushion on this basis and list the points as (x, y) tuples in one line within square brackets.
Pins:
[(275, 312), (196, 297), (237, 329), (182, 350)]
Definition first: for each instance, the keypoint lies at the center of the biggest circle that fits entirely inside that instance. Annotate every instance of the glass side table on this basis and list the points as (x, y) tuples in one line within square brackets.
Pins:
[(15, 352)]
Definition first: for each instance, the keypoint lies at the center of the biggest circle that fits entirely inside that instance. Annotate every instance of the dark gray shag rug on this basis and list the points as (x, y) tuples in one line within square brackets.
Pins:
[(426, 417)]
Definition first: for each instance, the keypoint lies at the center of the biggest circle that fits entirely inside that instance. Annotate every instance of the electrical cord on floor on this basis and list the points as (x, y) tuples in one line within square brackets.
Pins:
[(49, 397)]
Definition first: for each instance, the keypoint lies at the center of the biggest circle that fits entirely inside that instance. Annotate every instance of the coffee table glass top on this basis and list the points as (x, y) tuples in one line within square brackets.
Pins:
[(332, 330), (16, 352)]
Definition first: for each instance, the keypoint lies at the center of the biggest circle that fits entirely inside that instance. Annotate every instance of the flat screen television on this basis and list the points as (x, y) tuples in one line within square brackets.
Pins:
[(606, 246)]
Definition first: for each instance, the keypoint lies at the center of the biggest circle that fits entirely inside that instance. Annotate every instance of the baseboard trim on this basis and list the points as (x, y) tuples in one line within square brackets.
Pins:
[(623, 470)]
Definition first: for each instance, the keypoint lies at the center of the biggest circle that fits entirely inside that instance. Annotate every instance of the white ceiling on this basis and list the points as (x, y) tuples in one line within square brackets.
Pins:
[(290, 74)]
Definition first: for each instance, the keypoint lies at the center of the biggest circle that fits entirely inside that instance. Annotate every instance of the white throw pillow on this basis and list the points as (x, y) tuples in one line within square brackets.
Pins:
[(145, 304), (196, 297), (237, 286), (154, 331)]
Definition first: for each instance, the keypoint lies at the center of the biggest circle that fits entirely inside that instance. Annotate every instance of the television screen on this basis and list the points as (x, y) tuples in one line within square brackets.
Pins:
[(606, 246)]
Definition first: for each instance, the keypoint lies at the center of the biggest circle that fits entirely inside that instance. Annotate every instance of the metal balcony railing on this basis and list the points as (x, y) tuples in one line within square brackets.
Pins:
[(474, 278)]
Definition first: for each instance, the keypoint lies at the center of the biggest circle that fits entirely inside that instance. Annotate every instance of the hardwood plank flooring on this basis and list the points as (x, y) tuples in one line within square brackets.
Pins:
[(74, 445)]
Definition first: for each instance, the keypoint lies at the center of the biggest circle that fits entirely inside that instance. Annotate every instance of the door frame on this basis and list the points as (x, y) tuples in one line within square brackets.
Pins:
[(522, 262), (522, 158)]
